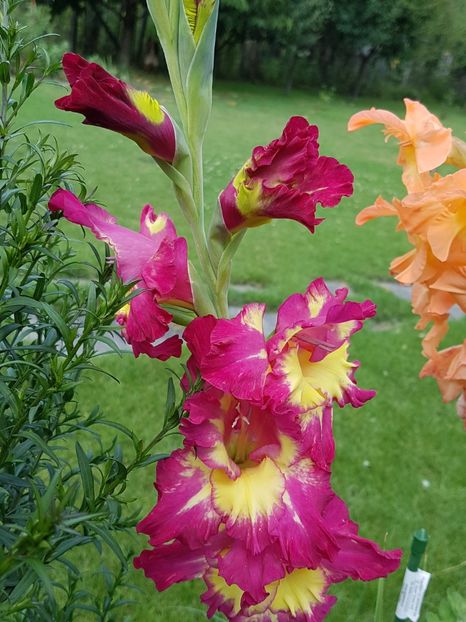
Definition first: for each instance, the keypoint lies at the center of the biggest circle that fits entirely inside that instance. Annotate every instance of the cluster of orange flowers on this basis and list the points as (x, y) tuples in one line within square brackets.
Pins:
[(433, 216)]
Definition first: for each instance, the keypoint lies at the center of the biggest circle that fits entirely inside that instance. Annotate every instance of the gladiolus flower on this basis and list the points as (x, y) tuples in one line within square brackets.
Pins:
[(197, 13), (155, 258), (247, 506), (448, 367), (302, 366), (424, 142), (106, 101), (435, 223), (285, 179)]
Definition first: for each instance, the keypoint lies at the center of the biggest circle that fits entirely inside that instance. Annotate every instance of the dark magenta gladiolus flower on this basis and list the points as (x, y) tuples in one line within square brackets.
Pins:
[(106, 101), (155, 258), (285, 179)]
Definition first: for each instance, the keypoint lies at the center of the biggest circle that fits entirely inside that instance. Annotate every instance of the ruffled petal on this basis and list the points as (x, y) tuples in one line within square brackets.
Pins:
[(237, 360), (184, 489), (172, 563)]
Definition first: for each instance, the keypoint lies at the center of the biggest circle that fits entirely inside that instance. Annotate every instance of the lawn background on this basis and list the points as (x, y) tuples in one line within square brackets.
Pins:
[(400, 459)]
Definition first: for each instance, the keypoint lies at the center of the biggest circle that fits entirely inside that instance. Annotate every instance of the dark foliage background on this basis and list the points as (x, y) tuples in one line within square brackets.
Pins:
[(351, 47)]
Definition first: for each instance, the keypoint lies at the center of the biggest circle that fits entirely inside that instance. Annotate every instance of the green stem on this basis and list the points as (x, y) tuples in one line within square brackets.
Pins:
[(224, 271)]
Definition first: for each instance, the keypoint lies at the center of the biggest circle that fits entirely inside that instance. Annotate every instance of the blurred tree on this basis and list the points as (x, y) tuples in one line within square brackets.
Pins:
[(369, 30), (346, 46)]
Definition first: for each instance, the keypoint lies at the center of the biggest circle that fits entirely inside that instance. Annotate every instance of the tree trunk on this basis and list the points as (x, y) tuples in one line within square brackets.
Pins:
[(357, 85), (292, 57), (91, 43), (142, 36), (127, 31), (74, 28)]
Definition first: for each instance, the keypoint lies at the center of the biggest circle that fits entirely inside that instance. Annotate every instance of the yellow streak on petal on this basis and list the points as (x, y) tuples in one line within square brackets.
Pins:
[(298, 591), (124, 311), (201, 496), (147, 106), (255, 493), (157, 225), (344, 329), (288, 451), (190, 7), (315, 304), (310, 382), (228, 592), (253, 317)]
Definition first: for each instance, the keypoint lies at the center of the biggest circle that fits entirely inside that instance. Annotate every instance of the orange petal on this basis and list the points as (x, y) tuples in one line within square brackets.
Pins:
[(457, 155), (381, 207), (394, 126), (409, 267), (442, 232), (431, 139)]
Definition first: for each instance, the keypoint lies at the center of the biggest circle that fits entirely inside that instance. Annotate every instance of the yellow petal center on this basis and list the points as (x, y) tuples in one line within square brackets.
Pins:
[(254, 493), (310, 382)]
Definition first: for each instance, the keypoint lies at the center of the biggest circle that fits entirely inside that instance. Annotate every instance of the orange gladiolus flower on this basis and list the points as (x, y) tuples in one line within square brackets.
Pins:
[(448, 367), (424, 142), (433, 216)]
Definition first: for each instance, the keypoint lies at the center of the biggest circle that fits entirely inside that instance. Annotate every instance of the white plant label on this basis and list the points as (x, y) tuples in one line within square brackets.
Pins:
[(412, 594)]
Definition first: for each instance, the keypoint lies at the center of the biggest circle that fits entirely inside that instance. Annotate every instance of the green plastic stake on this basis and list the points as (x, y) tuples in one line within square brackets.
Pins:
[(418, 547)]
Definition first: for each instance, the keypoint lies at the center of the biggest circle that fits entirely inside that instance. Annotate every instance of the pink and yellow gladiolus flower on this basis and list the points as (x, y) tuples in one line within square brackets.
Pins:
[(106, 101), (425, 143), (285, 179), (304, 364), (247, 506), (155, 258)]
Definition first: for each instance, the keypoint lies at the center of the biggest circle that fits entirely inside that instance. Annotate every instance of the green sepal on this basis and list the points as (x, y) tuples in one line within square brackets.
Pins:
[(199, 83)]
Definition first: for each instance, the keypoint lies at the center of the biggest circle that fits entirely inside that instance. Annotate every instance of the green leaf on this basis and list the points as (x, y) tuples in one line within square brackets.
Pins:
[(23, 302), (105, 535), (37, 189), (86, 475), (40, 570)]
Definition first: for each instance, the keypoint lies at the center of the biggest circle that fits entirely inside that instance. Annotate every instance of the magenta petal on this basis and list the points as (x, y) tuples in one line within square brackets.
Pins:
[(285, 179), (207, 427), (159, 271), (172, 563), (357, 557), (162, 351), (156, 225), (146, 321), (328, 181), (237, 360), (251, 572), (184, 490), (74, 211), (304, 536)]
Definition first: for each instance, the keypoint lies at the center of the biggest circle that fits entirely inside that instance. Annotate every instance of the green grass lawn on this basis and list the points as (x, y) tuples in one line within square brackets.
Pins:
[(400, 459)]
